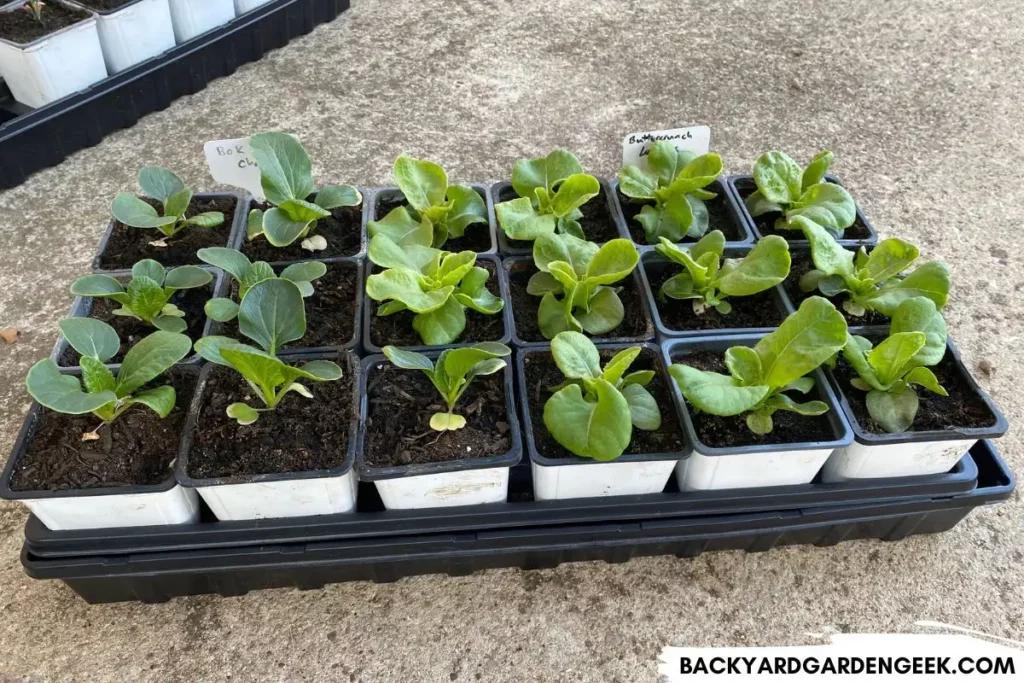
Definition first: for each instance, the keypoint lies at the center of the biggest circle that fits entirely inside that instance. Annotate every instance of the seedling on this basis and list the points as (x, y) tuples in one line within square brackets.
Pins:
[(436, 209), (106, 396), (168, 189), (675, 181), (286, 176), (891, 371), (872, 282), (708, 281), (579, 272), (760, 376), (438, 286), (247, 274), (35, 8), (148, 296), (271, 314), (594, 411), (784, 187), (551, 191), (451, 375)]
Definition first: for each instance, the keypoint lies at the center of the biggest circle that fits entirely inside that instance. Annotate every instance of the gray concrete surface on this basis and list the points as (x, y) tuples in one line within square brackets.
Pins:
[(921, 103)]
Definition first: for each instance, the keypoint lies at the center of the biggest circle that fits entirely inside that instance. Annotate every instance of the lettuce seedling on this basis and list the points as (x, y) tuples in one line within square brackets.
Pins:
[(594, 411), (784, 187), (106, 396), (168, 189), (675, 181), (271, 314), (438, 286), (760, 376), (436, 209), (551, 191), (579, 272), (148, 296), (451, 375), (286, 175), (35, 8), (708, 281), (246, 274), (890, 371), (872, 282)]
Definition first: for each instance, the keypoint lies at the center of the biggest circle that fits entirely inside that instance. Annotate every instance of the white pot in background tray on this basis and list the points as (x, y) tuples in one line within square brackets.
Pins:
[(243, 6), (134, 33), (195, 17)]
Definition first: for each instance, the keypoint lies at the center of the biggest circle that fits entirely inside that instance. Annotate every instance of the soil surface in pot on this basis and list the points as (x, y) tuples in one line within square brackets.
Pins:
[(105, 5), (330, 311), (301, 435), (138, 449), (397, 329), (758, 310), (728, 432), (127, 246), (597, 222), (20, 26), (719, 217), (343, 231), (962, 409), (401, 403), (542, 374), (131, 330), (477, 237), (765, 223), (636, 324), (801, 264)]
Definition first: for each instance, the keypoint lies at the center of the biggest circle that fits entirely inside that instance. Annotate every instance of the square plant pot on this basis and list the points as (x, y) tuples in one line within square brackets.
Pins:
[(133, 32), (121, 246), (192, 18), (930, 450), (751, 461), (478, 238), (159, 500), (249, 484), (646, 465), (760, 313), (742, 186), (635, 328), (599, 219), (725, 214), (397, 329), (56, 65), (130, 330), (432, 479)]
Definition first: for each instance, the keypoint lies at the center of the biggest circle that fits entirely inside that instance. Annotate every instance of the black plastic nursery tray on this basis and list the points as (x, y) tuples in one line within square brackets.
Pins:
[(34, 139)]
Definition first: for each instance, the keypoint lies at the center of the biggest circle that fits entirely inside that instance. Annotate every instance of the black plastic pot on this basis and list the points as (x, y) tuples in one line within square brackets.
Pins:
[(738, 234), (393, 194), (653, 265), (370, 307)]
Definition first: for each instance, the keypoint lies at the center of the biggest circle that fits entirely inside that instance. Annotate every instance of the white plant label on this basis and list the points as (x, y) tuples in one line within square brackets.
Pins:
[(231, 163), (636, 146)]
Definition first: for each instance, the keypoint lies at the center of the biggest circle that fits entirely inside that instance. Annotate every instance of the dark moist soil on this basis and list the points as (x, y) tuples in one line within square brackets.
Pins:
[(330, 312), (759, 310), (138, 449), (542, 374), (301, 435), (401, 403), (476, 238), (728, 432), (719, 217), (765, 223), (397, 329), (801, 264), (105, 4), (597, 222), (962, 409), (20, 25), (127, 246), (343, 232), (130, 331), (636, 324)]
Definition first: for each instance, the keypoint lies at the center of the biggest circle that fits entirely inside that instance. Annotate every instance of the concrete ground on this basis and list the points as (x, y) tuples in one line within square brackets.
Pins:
[(921, 106)]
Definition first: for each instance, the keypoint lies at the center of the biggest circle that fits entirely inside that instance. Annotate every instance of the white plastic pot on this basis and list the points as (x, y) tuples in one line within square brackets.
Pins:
[(54, 66), (177, 505), (243, 6), (282, 498), (448, 489), (195, 17), (783, 467), (134, 33), (599, 479), (872, 461)]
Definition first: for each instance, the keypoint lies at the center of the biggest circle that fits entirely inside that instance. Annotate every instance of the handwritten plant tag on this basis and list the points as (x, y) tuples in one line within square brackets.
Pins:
[(636, 146), (232, 163)]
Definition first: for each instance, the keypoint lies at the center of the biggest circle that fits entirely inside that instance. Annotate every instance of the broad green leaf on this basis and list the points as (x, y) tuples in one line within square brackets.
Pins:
[(926, 378), (405, 285), (808, 409), (802, 385), (244, 414), (803, 341), (893, 410), (280, 230), (209, 348), (620, 362), (99, 286), (828, 256), (320, 370), (473, 293), (146, 298), (826, 204), (454, 267), (272, 314), (574, 192), (210, 219), (301, 211), (578, 253), (744, 364), (701, 218), (408, 360), (919, 314), (336, 196), (177, 204), (930, 281), (637, 184), (855, 352), (544, 172), (541, 283), (520, 220), (63, 393), (133, 212), (657, 223), (641, 377), (285, 169), (149, 358), (402, 228), (679, 287), (467, 208), (221, 310), (666, 162), (159, 183), (605, 314), (757, 205), (778, 177), (187, 277), (889, 258), (890, 358), (169, 323), (702, 171), (96, 376), (760, 422), (258, 272), (613, 261), (306, 271), (151, 269), (552, 317), (445, 422), (458, 363), (711, 243), (262, 369), (423, 183), (91, 337), (715, 393), (386, 253), (643, 409), (564, 273), (442, 325), (230, 261), (600, 430), (679, 210), (765, 266), (160, 400), (816, 170), (576, 356), (485, 367)]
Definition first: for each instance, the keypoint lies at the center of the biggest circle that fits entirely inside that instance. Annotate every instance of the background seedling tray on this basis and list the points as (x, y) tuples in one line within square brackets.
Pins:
[(33, 139)]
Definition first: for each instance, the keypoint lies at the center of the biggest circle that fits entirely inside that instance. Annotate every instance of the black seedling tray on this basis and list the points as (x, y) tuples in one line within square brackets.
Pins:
[(34, 139)]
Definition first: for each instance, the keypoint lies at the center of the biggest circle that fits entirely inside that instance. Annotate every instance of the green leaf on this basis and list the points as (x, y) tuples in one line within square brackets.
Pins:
[(804, 340), (63, 393), (307, 271), (544, 172), (91, 338), (925, 378), (553, 317), (890, 358), (258, 272), (133, 212), (221, 310), (301, 211), (454, 267), (151, 269), (159, 183), (574, 192), (637, 184), (919, 314), (99, 286), (757, 205), (930, 281), (261, 369), (679, 287), (442, 325), (760, 423), (169, 323), (641, 377), (273, 314), (177, 204), (605, 314), (96, 376), (541, 283), (405, 285), (744, 364), (576, 356), (816, 170), (209, 348), (423, 183), (643, 409), (146, 298), (230, 261), (445, 422), (336, 196), (460, 363), (520, 220), (160, 400), (678, 208), (149, 358), (828, 256), (473, 293), (254, 224), (210, 219), (598, 429), (808, 409), (827, 204), (320, 371), (701, 171), (280, 230), (778, 177), (402, 228), (285, 169), (467, 208), (715, 393), (665, 161), (243, 413), (893, 410), (386, 253), (578, 253), (187, 277), (764, 266), (889, 258), (802, 385), (855, 351), (619, 363), (613, 261), (408, 360), (711, 243)]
